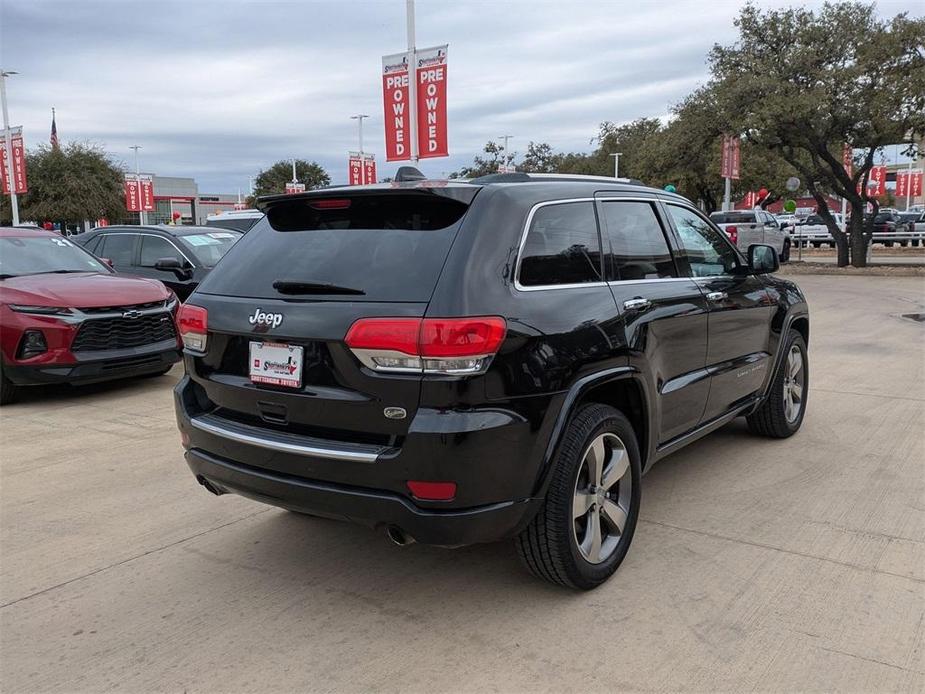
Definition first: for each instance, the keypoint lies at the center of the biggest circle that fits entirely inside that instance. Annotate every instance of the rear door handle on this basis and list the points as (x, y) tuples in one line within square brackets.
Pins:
[(717, 296), (637, 304)]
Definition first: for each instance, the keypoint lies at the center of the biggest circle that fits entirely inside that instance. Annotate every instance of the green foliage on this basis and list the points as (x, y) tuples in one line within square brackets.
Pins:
[(484, 165), (272, 181), (70, 184), (801, 83)]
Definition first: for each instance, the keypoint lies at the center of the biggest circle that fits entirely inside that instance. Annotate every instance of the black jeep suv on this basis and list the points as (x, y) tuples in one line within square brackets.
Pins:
[(461, 362)]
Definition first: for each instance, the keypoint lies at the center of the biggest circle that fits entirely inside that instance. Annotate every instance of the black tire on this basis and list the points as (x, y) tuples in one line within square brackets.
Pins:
[(903, 243), (549, 546), (817, 244), (785, 253), (8, 391), (888, 244), (771, 419)]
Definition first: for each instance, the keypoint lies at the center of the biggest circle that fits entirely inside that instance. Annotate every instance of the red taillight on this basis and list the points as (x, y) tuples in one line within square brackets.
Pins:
[(733, 234), (431, 345), (194, 326), (432, 491), (393, 334), (461, 337), (330, 204)]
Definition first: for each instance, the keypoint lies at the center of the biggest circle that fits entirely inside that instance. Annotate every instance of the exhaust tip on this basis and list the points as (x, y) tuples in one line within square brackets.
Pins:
[(399, 536), (208, 485)]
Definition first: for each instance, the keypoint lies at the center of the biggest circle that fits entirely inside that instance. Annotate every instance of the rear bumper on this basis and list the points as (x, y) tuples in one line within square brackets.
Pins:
[(98, 366), (364, 506), (488, 453)]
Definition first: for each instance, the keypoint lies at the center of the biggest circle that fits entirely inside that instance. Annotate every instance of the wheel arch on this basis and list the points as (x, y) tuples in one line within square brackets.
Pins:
[(621, 388)]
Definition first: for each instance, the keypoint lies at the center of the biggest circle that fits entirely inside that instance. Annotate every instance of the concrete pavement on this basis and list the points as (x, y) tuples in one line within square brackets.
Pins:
[(757, 565)]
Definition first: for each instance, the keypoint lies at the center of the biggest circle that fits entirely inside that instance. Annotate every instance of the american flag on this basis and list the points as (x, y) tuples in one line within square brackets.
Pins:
[(54, 131)]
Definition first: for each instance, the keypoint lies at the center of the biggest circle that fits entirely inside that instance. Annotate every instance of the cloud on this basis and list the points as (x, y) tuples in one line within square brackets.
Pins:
[(218, 90)]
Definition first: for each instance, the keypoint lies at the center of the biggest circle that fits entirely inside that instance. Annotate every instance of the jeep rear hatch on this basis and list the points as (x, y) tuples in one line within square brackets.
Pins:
[(316, 265)]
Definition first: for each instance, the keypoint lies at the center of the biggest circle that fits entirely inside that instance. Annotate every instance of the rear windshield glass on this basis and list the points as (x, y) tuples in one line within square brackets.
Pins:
[(733, 217), (211, 247), (390, 247), (236, 223)]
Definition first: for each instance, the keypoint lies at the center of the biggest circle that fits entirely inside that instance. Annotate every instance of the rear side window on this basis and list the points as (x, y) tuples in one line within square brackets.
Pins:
[(562, 246), (94, 245), (733, 217), (638, 249), (388, 247), (119, 248)]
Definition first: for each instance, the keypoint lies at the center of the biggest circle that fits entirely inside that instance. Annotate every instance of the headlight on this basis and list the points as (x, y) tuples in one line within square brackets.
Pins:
[(41, 310)]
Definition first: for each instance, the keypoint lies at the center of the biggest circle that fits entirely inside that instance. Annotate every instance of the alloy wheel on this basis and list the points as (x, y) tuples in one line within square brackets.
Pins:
[(794, 383), (602, 498)]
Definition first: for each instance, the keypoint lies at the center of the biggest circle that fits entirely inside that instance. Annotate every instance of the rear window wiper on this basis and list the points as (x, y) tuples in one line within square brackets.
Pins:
[(299, 287)]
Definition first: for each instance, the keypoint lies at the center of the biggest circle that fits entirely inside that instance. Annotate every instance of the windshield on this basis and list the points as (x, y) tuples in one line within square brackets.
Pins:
[(209, 248), (33, 255), (733, 217)]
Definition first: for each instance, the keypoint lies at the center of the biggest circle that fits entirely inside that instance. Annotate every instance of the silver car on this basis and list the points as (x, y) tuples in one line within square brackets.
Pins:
[(748, 227)]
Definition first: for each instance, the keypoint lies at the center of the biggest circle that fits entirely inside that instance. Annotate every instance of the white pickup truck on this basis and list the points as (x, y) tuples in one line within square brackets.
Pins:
[(813, 230), (747, 227)]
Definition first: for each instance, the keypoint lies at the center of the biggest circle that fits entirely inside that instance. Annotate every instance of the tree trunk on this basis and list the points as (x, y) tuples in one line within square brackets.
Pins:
[(856, 237), (841, 246)]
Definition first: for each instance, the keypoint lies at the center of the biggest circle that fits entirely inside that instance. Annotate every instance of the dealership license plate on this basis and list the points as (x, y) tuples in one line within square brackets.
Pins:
[(276, 364)]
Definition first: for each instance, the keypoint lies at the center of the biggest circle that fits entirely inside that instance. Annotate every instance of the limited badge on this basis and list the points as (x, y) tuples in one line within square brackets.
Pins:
[(395, 412)]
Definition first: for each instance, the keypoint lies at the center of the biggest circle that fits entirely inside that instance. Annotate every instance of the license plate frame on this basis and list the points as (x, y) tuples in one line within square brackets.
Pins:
[(268, 363)]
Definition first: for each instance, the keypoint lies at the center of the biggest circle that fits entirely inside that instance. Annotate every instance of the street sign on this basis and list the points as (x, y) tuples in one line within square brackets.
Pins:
[(395, 106), (431, 98), (19, 162), (292, 188)]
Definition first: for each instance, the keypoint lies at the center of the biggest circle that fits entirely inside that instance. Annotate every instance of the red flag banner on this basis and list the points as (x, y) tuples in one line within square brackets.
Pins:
[(431, 100), (146, 192), (369, 164), (876, 184), (395, 106), (132, 194), (731, 161), (902, 184), (847, 159), (915, 184), (19, 163), (355, 169)]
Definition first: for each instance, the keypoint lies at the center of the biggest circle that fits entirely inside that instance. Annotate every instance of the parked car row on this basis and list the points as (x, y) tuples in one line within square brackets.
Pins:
[(748, 227)]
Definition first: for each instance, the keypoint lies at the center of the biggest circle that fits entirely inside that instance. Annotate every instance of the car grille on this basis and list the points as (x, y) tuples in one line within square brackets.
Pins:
[(120, 333)]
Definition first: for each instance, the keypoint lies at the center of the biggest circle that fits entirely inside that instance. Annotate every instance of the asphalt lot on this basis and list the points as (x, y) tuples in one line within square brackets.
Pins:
[(757, 565)]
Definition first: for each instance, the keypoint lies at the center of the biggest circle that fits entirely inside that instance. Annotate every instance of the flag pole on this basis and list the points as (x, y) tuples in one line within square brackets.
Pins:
[(7, 135), (412, 80)]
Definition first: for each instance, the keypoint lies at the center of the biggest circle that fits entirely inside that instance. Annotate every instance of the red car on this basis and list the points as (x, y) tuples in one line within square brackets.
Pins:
[(66, 317)]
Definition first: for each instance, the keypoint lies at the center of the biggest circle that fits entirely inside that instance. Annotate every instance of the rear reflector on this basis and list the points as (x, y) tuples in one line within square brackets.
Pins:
[(194, 326), (432, 491), (428, 345)]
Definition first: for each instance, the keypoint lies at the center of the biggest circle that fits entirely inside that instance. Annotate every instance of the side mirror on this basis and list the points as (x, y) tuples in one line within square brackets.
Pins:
[(762, 259), (107, 261), (169, 264)]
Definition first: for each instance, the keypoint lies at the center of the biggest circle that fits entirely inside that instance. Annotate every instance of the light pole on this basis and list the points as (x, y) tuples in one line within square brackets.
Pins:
[(141, 213), (507, 157), (412, 81), (294, 179), (359, 119), (616, 163), (7, 135)]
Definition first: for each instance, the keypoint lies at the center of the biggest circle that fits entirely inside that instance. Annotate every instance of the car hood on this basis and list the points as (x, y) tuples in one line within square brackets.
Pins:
[(80, 290)]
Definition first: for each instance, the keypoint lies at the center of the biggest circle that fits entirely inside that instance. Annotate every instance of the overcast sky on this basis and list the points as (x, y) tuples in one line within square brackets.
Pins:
[(218, 90)]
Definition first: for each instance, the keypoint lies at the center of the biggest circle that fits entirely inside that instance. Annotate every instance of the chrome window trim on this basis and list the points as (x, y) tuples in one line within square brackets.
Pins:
[(157, 236)]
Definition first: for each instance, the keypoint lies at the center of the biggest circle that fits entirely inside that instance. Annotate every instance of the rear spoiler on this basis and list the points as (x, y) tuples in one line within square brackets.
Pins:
[(461, 192)]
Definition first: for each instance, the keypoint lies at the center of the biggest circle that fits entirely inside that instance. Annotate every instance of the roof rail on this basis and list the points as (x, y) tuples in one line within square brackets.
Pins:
[(520, 177)]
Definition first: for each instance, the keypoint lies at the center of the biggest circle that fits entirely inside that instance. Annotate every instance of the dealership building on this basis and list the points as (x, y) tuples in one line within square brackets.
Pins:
[(173, 194)]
